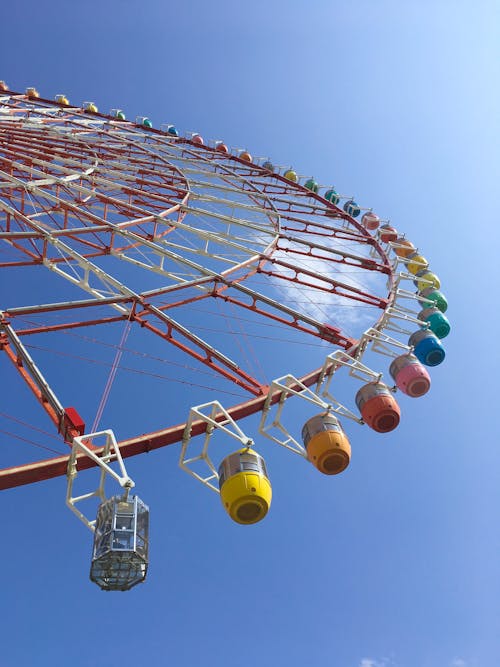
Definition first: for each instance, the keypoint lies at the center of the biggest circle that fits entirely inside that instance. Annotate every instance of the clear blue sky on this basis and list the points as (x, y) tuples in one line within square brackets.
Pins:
[(395, 563)]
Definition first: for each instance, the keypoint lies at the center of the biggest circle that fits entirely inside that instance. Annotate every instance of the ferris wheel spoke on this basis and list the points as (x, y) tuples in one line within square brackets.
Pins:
[(79, 270), (309, 226), (193, 345), (38, 163), (64, 326), (29, 371), (15, 240), (225, 187), (209, 355), (339, 255), (230, 203), (261, 202), (276, 310), (130, 191), (34, 241), (160, 250), (201, 250), (221, 232), (298, 204), (77, 211), (227, 219), (210, 169), (224, 244), (35, 257), (332, 286), (280, 190), (123, 207)]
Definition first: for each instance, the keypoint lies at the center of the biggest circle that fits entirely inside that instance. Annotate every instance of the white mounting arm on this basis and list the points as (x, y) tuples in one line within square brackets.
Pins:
[(216, 417), (396, 318), (403, 275), (382, 343), (411, 277), (108, 453), (356, 369), (286, 386), (413, 296)]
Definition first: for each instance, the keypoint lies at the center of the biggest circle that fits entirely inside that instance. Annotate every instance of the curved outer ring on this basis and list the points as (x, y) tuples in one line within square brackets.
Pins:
[(57, 466)]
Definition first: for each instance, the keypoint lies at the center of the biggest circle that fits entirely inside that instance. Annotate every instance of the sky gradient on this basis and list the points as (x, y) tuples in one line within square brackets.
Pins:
[(395, 562)]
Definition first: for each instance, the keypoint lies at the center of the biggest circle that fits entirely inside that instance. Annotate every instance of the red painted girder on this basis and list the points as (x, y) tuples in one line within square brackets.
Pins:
[(90, 303), (102, 228), (326, 232), (70, 233), (17, 362), (235, 375), (144, 164), (180, 302), (338, 256), (70, 325), (16, 264), (57, 467), (349, 291), (25, 251), (325, 331), (41, 151)]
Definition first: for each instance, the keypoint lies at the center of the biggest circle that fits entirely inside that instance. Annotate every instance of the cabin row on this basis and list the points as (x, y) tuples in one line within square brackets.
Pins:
[(243, 481)]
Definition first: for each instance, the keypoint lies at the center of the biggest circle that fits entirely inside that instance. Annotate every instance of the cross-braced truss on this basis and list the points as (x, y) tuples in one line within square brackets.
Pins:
[(152, 229)]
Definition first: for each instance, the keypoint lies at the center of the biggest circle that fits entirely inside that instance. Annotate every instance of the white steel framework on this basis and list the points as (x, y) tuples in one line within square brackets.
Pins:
[(153, 227)]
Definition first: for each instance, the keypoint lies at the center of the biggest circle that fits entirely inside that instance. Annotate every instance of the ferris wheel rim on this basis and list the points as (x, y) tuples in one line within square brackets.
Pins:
[(56, 466)]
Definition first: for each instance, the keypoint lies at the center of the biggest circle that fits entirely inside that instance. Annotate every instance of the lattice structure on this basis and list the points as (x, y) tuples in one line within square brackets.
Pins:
[(148, 225)]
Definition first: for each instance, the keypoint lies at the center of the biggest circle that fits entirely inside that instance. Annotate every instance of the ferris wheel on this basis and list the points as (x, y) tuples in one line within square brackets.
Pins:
[(254, 285)]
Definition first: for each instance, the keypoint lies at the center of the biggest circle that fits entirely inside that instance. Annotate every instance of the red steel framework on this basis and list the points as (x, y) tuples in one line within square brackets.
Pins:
[(78, 186)]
